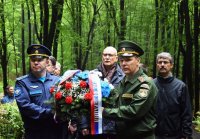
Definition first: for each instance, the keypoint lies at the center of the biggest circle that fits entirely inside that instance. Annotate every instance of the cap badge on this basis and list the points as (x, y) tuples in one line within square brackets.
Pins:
[(36, 51), (123, 49)]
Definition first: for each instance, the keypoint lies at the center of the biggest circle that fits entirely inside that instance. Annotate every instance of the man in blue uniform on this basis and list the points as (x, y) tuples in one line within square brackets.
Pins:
[(31, 92)]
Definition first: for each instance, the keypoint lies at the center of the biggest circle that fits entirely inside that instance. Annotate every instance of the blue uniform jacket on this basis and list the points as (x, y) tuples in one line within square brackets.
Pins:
[(31, 95)]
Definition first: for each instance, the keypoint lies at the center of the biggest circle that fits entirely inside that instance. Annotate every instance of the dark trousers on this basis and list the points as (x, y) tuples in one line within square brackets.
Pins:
[(167, 137), (100, 136), (44, 133)]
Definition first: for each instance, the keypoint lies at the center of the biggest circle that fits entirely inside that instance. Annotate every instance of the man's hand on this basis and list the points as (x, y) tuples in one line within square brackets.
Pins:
[(85, 132), (72, 127)]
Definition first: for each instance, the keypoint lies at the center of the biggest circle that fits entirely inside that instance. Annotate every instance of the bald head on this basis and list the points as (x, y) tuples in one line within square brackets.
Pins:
[(110, 49), (109, 56)]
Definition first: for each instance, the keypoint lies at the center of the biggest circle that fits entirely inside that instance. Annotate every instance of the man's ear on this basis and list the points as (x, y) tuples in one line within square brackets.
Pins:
[(117, 58), (138, 58), (172, 65)]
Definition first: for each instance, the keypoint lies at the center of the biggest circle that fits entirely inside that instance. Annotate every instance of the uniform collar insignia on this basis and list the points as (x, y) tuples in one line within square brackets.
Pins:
[(141, 79), (34, 86)]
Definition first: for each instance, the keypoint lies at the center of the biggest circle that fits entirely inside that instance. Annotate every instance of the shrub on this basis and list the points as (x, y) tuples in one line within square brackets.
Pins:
[(11, 125), (196, 121)]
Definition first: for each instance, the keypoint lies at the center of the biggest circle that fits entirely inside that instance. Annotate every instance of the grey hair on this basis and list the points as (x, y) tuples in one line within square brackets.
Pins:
[(53, 60), (165, 55)]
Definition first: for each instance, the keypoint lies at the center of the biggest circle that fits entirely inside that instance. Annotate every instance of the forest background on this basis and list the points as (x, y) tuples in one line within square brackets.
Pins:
[(76, 31)]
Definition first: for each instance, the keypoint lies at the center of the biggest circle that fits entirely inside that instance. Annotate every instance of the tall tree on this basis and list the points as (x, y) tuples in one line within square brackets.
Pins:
[(58, 27), (196, 48), (122, 20), (189, 49), (76, 14), (90, 35), (48, 31), (156, 37), (13, 40), (54, 30), (3, 46), (23, 41), (180, 42)]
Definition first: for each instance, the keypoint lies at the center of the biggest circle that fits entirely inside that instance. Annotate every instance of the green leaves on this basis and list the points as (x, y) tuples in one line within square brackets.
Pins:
[(11, 125), (196, 122)]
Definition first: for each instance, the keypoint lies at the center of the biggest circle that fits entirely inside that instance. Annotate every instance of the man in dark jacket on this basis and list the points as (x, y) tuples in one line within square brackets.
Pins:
[(134, 98), (174, 115)]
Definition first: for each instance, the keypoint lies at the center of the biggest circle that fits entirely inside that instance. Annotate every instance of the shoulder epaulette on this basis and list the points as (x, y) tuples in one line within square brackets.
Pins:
[(22, 77)]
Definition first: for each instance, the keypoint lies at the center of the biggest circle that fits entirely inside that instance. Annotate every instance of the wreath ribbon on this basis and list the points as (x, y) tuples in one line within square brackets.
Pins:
[(96, 104)]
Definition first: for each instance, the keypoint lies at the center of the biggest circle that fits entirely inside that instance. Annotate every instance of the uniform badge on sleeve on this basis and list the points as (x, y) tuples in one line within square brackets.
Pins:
[(17, 92), (143, 92)]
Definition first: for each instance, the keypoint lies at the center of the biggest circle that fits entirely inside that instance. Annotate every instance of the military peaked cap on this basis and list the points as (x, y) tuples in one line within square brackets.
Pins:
[(38, 50), (129, 48)]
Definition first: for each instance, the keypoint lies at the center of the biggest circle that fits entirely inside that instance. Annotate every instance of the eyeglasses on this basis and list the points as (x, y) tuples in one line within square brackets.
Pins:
[(164, 62), (109, 55)]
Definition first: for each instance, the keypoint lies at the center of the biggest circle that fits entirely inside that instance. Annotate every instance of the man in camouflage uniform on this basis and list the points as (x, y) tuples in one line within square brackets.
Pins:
[(135, 97)]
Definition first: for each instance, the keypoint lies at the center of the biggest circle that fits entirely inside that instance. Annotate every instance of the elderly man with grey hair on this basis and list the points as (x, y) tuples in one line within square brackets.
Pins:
[(174, 114), (109, 67)]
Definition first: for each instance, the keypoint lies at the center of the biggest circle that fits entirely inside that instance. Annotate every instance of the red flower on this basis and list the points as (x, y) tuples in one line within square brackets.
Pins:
[(58, 95), (83, 84), (88, 96), (68, 85), (68, 99), (52, 89)]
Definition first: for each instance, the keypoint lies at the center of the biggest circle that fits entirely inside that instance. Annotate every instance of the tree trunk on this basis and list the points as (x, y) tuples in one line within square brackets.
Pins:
[(163, 24), (189, 50), (156, 38), (4, 59), (36, 32), (45, 24), (59, 6), (29, 23), (181, 47), (91, 33), (22, 43), (123, 20), (196, 46)]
